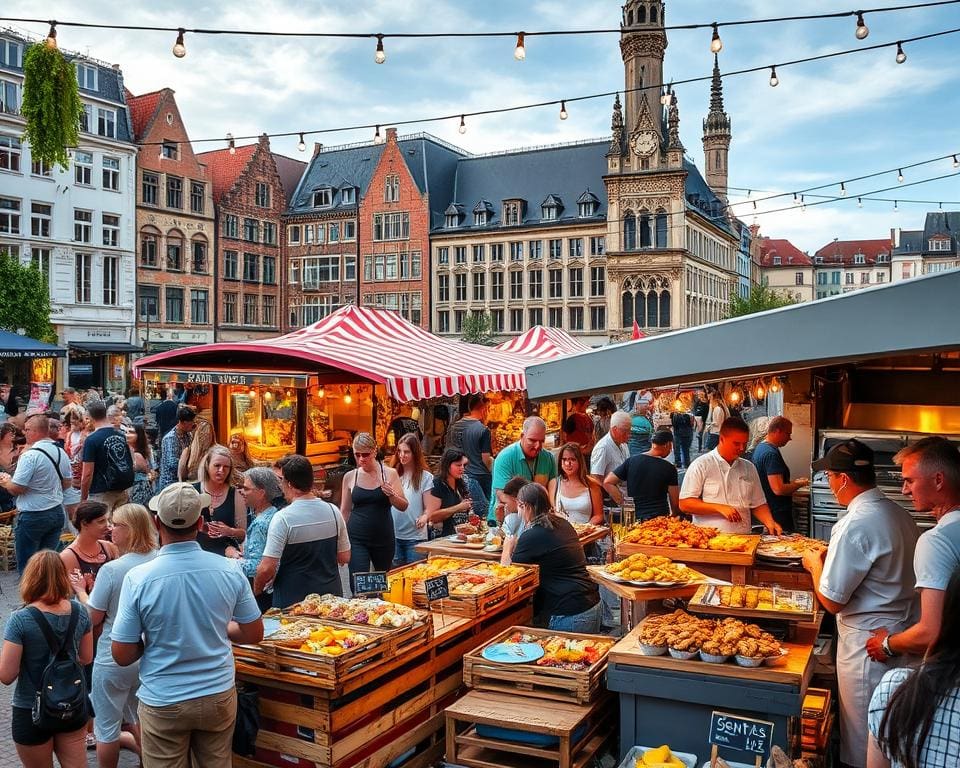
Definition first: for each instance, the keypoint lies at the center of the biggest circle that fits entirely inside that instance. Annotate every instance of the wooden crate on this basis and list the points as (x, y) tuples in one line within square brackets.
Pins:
[(524, 584), (470, 606), (691, 555), (563, 720), (581, 686), (420, 630)]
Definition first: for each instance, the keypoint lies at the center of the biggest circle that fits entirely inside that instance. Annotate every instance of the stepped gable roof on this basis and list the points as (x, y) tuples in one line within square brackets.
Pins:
[(142, 109), (790, 255), (224, 169), (291, 171)]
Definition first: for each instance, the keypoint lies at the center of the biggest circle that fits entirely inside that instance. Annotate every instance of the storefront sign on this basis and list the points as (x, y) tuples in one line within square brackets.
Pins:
[(28, 353), (245, 379), (743, 733), (368, 583)]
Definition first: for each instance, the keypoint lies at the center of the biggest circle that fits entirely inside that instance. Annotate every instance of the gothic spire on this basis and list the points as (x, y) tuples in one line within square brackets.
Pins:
[(716, 88), (717, 122)]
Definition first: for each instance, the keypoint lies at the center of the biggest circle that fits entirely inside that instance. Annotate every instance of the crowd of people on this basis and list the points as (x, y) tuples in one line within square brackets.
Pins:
[(181, 544)]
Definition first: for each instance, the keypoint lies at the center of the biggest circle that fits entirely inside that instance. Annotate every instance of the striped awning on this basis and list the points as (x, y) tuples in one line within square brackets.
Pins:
[(540, 343), (375, 345)]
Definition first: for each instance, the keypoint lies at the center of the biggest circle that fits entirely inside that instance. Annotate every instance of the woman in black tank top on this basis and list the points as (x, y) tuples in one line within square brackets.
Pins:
[(226, 520), (91, 549), (368, 493)]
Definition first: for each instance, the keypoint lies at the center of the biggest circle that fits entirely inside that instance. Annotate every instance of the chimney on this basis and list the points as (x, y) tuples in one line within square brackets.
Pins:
[(317, 148), (392, 134), (895, 237)]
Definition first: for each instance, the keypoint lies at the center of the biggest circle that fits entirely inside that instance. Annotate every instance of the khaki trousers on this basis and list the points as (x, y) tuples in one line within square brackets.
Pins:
[(112, 499), (196, 732)]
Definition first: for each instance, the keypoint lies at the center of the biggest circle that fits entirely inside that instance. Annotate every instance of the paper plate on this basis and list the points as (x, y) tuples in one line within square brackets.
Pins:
[(513, 653)]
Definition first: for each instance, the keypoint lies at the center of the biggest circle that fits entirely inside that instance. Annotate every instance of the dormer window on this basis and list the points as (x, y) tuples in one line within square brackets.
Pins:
[(512, 213), (818, 259), (323, 198), (882, 258), (482, 214), (450, 220), (453, 216), (587, 205), (348, 195), (939, 244), (859, 259), (550, 208), (86, 76), (777, 261)]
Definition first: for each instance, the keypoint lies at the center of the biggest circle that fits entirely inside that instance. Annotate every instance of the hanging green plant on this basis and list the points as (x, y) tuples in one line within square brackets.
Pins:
[(51, 104)]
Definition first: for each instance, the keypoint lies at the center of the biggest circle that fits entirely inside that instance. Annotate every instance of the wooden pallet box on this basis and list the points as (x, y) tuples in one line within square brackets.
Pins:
[(543, 682), (693, 555)]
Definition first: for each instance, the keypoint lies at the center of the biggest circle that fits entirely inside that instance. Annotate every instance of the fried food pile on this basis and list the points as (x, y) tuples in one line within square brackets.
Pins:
[(640, 567), (738, 596), (674, 532), (725, 637)]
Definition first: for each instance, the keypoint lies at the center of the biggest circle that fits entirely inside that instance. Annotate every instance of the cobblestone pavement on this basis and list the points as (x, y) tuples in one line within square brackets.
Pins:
[(10, 601)]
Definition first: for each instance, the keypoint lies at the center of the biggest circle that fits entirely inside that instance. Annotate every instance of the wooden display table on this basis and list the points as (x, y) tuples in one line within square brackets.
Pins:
[(633, 600), (445, 548), (726, 566), (581, 730)]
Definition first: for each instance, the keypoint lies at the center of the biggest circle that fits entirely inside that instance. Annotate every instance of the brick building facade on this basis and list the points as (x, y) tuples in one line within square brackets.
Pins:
[(175, 232)]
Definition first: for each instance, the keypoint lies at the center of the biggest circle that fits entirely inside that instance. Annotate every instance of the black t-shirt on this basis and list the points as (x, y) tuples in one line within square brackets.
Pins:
[(682, 424), (769, 461), (473, 438), (166, 413), (449, 498), (565, 588), (648, 480), (112, 461)]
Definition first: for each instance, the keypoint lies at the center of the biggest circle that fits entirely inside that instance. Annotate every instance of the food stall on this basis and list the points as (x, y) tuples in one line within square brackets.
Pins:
[(311, 390), (27, 365), (881, 364)]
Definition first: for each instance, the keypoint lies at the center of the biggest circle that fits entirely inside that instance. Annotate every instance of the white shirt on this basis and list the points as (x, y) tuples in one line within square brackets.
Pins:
[(869, 565), (37, 473), (938, 553), (607, 455), (712, 480)]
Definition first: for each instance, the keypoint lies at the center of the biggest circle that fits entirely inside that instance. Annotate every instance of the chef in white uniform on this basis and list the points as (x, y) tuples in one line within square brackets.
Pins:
[(867, 580)]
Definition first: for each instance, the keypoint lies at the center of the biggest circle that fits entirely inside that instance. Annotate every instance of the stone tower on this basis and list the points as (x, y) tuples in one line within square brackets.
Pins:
[(716, 137)]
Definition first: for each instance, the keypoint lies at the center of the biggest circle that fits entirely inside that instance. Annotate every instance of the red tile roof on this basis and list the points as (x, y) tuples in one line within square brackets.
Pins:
[(844, 251), (224, 169), (142, 108), (790, 255)]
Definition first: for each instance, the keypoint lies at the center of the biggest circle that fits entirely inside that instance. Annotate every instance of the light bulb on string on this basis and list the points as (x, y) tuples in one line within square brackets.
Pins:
[(901, 56), (267, 396), (51, 41), (760, 391), (956, 163), (775, 385), (377, 137), (899, 175), (381, 55), (774, 80), (563, 110), (677, 404), (734, 397), (862, 29), (716, 44), (803, 204), (348, 398), (321, 393), (843, 189), (301, 145), (252, 393), (859, 203), (896, 206), (231, 145), (463, 125), (520, 52), (179, 49)]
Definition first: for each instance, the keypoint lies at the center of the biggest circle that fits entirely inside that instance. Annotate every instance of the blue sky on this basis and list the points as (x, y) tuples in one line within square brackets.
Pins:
[(825, 122)]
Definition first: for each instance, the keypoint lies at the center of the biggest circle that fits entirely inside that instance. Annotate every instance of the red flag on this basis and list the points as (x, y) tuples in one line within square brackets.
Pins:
[(637, 333)]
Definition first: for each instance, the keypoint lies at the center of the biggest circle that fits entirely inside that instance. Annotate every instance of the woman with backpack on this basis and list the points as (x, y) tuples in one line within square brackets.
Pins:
[(27, 655)]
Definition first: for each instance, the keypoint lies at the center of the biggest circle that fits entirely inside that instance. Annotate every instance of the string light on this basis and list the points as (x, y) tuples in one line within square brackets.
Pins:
[(775, 385), (859, 203), (667, 95), (377, 138), (843, 190), (252, 393), (381, 55), (895, 206), (900, 175), (52, 35), (463, 125), (321, 393), (179, 49), (774, 80), (956, 163), (520, 52), (734, 396), (348, 398), (563, 111), (716, 44), (862, 29), (301, 145), (231, 145), (760, 391), (901, 56), (268, 396)]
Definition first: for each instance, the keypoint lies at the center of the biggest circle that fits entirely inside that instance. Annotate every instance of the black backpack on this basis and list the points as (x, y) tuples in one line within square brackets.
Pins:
[(61, 701)]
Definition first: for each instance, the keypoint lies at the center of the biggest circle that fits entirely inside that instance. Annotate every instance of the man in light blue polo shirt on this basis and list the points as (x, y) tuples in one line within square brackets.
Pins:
[(525, 458), (179, 613)]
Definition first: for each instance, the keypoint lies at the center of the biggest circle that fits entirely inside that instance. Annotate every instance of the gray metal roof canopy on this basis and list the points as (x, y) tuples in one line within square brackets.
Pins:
[(897, 319)]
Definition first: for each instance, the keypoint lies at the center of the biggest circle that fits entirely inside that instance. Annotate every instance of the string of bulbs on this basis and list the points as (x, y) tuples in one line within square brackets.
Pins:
[(861, 31)]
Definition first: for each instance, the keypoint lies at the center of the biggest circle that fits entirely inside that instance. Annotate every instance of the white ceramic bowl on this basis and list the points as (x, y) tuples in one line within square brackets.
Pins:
[(749, 661), (683, 655), (712, 658), (652, 650)]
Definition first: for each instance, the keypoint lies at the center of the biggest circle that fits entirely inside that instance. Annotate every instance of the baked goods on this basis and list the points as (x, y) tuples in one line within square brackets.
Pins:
[(651, 568), (565, 652), (464, 583), (674, 532), (738, 596), (435, 566), (367, 611), (503, 572), (726, 637), (319, 639)]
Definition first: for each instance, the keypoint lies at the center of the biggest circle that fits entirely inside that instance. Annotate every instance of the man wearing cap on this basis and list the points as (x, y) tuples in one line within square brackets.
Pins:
[(651, 480), (867, 580), (722, 490), (179, 614)]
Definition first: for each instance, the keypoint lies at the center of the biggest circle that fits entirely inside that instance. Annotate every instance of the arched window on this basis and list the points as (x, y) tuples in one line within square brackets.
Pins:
[(661, 228), (641, 15), (640, 308), (175, 250), (630, 18), (664, 309), (652, 304), (646, 238), (629, 232), (719, 161), (149, 245), (626, 309), (199, 263), (653, 14)]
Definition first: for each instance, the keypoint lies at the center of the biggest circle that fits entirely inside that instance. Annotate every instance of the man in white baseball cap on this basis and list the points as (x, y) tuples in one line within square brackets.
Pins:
[(190, 605)]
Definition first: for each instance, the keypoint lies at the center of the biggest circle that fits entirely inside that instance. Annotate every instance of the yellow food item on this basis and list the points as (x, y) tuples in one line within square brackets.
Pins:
[(640, 567), (673, 532), (661, 757)]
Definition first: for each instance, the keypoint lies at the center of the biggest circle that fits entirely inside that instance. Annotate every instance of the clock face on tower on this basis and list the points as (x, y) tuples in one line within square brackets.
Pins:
[(645, 143)]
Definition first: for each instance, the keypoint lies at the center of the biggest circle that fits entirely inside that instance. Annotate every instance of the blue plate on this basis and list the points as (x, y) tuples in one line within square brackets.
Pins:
[(513, 653)]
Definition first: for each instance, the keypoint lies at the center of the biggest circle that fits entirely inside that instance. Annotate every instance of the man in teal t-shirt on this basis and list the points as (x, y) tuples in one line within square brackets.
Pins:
[(526, 458)]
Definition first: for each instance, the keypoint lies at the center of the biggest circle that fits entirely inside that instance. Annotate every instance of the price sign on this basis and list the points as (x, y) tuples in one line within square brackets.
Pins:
[(437, 588), (743, 733), (367, 583)]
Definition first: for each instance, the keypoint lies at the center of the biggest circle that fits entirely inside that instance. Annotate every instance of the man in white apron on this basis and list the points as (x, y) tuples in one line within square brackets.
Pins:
[(867, 580)]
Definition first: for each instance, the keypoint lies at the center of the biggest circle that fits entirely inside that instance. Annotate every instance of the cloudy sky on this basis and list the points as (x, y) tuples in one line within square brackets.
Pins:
[(827, 121)]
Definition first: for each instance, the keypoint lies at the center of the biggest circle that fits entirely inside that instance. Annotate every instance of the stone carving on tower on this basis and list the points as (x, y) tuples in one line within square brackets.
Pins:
[(716, 137), (615, 152)]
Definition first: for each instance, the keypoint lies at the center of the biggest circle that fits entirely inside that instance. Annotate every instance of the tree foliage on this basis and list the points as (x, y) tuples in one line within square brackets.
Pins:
[(24, 299), (762, 297), (478, 329), (51, 104)]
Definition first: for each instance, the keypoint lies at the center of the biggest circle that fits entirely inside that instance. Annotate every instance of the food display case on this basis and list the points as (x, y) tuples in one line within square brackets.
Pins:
[(507, 410)]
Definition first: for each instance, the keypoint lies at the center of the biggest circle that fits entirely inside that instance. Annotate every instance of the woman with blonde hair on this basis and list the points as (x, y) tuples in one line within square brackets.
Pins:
[(45, 591), (368, 493), (717, 412), (114, 688), (225, 522)]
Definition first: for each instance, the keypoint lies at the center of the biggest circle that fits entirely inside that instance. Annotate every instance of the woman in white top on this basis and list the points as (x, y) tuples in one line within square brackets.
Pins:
[(914, 715), (575, 495), (411, 466), (718, 412)]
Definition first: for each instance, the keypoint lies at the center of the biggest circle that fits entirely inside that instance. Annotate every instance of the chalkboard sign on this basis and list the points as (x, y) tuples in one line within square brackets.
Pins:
[(437, 588), (743, 733), (366, 583)]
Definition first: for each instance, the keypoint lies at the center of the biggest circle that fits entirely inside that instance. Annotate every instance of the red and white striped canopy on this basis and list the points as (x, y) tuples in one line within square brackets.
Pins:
[(376, 345), (541, 343)]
